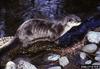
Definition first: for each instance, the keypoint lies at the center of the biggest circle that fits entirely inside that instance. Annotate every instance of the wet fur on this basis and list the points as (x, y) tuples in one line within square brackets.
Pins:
[(34, 30), (38, 30)]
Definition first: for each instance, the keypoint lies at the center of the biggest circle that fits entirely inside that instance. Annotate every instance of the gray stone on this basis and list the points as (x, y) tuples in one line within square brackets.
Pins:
[(98, 8), (98, 52), (96, 63), (55, 67), (82, 55), (90, 48), (63, 61), (97, 58), (10, 65), (93, 37), (53, 57), (88, 62), (25, 65)]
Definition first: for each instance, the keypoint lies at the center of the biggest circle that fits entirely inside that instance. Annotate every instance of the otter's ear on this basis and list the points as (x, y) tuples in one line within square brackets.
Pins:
[(65, 20), (58, 28)]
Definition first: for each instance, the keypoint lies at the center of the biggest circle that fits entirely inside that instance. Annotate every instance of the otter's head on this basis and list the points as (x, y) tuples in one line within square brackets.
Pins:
[(69, 22), (72, 20)]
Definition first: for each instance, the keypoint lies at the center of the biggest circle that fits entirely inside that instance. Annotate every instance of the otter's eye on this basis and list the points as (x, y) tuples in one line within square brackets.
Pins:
[(69, 20)]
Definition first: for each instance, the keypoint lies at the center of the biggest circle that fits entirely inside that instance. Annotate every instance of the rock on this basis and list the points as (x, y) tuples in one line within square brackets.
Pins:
[(53, 57), (97, 58), (93, 37), (55, 67), (96, 63), (10, 65), (25, 65), (88, 62), (90, 48), (82, 55), (98, 52), (63, 61), (98, 8)]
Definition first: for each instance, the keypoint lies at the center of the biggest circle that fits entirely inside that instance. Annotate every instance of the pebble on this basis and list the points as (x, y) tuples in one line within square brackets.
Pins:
[(96, 63), (53, 57), (10, 65), (82, 55), (98, 52), (63, 61), (88, 62), (98, 8), (93, 37), (90, 48), (97, 58), (25, 65), (56, 67)]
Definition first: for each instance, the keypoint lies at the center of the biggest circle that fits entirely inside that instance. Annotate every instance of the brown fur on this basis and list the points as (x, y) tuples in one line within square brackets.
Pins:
[(38, 30), (34, 30)]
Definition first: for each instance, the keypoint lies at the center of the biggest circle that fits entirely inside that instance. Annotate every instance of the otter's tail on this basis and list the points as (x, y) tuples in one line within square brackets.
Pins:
[(8, 46)]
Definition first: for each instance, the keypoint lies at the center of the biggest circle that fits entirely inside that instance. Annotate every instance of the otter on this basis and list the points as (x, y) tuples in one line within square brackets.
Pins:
[(34, 30)]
